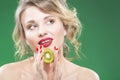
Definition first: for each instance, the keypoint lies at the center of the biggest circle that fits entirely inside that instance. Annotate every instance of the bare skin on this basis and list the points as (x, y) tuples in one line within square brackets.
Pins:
[(15, 71), (37, 26)]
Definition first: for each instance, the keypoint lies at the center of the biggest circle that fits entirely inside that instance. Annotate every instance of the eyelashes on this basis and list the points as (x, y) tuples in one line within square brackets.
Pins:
[(47, 22), (31, 26), (50, 21)]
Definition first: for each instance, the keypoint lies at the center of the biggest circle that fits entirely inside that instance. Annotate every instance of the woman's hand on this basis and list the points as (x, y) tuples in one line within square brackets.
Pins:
[(48, 71), (39, 62), (42, 70), (58, 69)]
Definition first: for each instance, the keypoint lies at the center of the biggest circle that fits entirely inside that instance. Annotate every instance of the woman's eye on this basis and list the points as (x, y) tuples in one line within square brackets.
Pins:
[(31, 27), (51, 21)]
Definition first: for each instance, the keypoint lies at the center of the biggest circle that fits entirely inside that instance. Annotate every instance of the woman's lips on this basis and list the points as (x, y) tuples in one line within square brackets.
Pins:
[(45, 42)]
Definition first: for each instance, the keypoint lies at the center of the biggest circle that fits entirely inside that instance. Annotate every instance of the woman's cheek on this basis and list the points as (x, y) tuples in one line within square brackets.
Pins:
[(31, 40)]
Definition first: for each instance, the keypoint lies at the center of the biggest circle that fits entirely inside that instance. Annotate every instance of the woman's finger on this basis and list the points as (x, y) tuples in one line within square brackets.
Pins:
[(38, 56), (56, 54)]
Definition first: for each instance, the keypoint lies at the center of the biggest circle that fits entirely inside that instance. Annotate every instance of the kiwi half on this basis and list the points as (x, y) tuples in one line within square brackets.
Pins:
[(48, 55)]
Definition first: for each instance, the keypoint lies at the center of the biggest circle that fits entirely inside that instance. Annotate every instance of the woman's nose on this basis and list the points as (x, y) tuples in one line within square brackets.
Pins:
[(42, 32)]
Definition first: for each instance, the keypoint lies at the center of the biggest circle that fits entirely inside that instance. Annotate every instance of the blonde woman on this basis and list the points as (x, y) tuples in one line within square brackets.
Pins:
[(40, 25)]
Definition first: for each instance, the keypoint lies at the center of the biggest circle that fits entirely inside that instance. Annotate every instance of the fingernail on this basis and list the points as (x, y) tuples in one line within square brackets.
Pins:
[(40, 51), (55, 48), (36, 49), (40, 46)]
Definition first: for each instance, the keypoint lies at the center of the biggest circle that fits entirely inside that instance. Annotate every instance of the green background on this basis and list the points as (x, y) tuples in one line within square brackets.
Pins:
[(100, 36)]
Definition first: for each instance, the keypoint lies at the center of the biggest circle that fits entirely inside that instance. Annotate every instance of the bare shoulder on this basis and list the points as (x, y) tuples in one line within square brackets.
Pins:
[(76, 72), (87, 74), (8, 70), (11, 71)]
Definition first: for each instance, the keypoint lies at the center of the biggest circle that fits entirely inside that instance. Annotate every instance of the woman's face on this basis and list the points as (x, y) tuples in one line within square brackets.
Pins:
[(42, 29)]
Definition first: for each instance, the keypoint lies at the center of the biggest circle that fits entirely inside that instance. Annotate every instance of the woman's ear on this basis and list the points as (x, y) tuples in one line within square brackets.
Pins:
[(65, 32), (65, 29)]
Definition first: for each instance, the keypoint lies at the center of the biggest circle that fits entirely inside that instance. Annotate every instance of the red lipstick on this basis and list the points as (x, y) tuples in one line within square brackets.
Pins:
[(45, 42)]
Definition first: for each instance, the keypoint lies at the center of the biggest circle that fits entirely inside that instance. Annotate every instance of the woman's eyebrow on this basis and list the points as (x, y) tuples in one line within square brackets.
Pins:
[(47, 17), (31, 21)]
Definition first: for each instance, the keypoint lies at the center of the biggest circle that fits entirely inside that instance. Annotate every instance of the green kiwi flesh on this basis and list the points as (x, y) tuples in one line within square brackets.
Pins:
[(48, 56)]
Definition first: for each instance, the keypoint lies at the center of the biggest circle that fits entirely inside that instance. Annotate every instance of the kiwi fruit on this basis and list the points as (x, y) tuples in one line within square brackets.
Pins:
[(48, 55)]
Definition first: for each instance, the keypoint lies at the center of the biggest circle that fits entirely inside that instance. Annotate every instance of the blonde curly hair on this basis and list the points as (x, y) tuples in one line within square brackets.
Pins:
[(57, 7)]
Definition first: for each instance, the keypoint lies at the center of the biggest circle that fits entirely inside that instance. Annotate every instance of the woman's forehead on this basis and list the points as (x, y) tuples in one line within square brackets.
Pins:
[(34, 13)]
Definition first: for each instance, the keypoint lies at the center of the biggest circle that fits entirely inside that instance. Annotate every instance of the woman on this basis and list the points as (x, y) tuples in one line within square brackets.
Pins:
[(43, 24)]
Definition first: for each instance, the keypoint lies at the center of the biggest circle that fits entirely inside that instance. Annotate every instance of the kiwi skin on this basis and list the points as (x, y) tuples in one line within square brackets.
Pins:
[(48, 52)]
